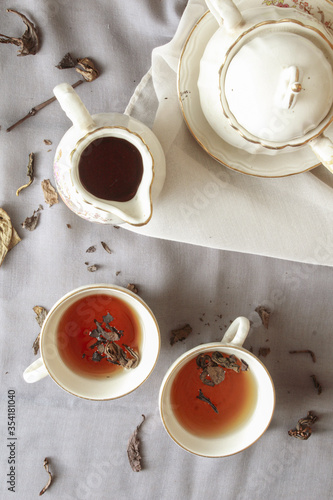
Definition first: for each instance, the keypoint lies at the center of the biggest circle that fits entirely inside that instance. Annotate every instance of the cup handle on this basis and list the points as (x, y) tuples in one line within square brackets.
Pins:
[(237, 332), (74, 107), (36, 371), (226, 13), (322, 147)]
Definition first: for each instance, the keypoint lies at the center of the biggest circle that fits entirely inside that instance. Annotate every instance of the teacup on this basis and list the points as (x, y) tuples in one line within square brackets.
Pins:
[(249, 428), (63, 328)]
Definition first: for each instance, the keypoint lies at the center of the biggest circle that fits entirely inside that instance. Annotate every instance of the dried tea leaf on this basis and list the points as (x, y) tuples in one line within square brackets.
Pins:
[(264, 351), (180, 334), (50, 194), (30, 223), (264, 315), (41, 314), (204, 360), (133, 451), (96, 356), (92, 268), (35, 345), (216, 374), (8, 235), (230, 362), (303, 428), (46, 467), (108, 319), (244, 366), (66, 62), (206, 400), (29, 42), (87, 69), (317, 385), (132, 288), (30, 173), (6, 232), (106, 247), (132, 363), (305, 351), (91, 249), (205, 379)]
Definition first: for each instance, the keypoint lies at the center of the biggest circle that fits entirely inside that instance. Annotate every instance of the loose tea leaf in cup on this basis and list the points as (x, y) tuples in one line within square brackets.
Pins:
[(99, 335), (225, 387)]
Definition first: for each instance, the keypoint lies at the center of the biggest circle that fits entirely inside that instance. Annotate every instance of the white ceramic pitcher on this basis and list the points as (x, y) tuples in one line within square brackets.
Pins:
[(87, 130)]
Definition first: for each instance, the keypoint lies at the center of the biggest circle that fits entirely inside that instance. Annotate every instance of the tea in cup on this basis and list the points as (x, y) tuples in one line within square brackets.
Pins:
[(98, 342), (218, 398)]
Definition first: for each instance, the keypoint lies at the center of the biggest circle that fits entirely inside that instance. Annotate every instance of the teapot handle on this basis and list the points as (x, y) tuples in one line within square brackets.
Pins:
[(322, 147), (74, 107), (226, 13)]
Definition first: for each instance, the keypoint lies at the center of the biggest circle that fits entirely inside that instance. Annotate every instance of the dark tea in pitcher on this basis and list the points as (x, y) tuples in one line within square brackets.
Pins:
[(213, 393), (98, 335), (111, 168)]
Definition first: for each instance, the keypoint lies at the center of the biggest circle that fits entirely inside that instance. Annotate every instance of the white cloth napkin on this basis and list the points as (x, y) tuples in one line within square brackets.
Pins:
[(205, 203)]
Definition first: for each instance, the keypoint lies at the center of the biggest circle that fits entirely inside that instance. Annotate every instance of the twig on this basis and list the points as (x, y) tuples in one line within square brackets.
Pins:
[(46, 467), (305, 351), (30, 173), (37, 108)]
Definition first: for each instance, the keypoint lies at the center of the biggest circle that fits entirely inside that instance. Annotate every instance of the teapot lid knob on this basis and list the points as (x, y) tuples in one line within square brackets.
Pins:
[(276, 87)]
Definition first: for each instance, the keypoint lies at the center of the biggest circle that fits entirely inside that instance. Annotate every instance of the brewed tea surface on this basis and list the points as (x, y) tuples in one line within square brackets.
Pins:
[(111, 168), (76, 346), (229, 403)]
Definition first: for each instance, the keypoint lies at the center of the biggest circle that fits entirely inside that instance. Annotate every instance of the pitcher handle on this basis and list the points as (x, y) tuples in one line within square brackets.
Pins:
[(36, 371), (237, 332), (226, 13), (322, 147), (74, 107)]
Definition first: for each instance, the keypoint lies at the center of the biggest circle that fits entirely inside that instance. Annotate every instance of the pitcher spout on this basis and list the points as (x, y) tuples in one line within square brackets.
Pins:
[(136, 212)]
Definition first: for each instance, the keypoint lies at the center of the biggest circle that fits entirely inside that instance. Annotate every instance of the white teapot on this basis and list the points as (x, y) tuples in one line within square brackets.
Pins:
[(266, 80), (87, 177)]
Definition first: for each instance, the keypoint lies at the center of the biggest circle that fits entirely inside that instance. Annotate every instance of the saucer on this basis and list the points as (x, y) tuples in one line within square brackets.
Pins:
[(260, 165)]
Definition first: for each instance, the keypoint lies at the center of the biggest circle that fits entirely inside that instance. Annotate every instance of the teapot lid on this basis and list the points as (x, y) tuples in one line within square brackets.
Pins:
[(277, 87)]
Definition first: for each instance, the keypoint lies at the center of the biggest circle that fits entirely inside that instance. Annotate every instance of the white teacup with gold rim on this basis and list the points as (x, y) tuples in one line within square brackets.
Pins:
[(218, 398), (108, 167), (266, 80), (98, 342)]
